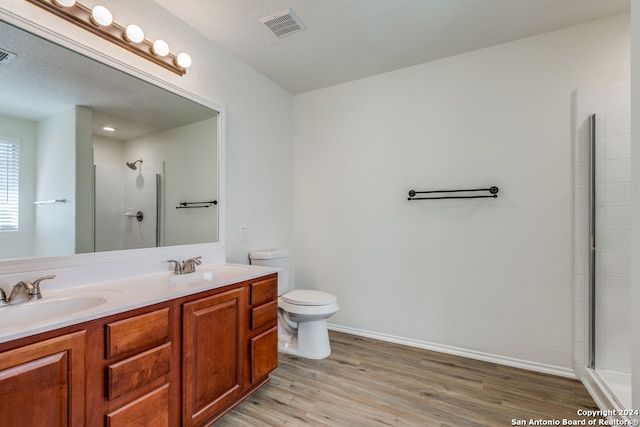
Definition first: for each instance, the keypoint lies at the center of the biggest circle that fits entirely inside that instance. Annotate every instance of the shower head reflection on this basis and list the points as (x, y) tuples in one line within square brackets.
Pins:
[(132, 165)]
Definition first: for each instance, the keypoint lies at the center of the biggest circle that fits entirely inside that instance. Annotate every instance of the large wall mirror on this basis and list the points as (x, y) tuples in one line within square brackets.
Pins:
[(96, 160)]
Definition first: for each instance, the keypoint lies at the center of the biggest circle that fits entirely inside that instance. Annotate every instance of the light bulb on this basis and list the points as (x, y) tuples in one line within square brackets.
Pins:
[(100, 15), (134, 34), (183, 60), (64, 3), (160, 48)]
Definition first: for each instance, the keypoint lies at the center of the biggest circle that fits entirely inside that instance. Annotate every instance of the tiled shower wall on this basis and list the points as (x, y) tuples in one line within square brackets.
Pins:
[(120, 190), (611, 104)]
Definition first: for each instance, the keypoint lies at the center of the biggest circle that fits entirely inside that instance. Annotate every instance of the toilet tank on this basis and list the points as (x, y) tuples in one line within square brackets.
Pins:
[(278, 258)]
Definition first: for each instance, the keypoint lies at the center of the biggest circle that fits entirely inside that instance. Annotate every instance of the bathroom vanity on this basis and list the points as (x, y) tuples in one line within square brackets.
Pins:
[(186, 360)]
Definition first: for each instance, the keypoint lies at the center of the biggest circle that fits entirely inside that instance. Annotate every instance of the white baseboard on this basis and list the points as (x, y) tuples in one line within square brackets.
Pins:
[(457, 351)]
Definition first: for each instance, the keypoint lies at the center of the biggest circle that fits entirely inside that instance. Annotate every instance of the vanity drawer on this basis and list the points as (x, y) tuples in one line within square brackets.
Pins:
[(264, 314), (264, 290), (150, 410), (137, 333), (138, 370)]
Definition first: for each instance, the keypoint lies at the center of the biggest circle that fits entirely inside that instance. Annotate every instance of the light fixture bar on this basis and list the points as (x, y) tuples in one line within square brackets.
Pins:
[(115, 33)]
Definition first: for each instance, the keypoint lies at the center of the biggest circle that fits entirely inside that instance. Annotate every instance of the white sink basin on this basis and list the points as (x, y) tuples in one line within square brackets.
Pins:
[(47, 309), (213, 274)]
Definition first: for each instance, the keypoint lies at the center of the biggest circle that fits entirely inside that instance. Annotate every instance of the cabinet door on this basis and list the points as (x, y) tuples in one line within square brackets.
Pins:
[(43, 383), (264, 354), (212, 355)]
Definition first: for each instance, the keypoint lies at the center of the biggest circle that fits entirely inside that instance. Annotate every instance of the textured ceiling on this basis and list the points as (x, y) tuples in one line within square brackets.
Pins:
[(351, 39)]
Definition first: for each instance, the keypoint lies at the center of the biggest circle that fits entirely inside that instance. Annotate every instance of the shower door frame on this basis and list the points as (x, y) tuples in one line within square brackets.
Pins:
[(592, 241)]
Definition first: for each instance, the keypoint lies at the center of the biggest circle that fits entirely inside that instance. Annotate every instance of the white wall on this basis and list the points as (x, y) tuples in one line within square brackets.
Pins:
[(108, 151), (488, 276), (109, 161), (110, 222), (56, 180)]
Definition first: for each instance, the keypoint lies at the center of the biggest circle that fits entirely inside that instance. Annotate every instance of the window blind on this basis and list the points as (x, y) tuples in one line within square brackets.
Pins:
[(9, 185)]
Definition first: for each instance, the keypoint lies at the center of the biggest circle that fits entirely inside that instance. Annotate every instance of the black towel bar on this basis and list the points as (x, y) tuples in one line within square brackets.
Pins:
[(492, 190), (189, 205)]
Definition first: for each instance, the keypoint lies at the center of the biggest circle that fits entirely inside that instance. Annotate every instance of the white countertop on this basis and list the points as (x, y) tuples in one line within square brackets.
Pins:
[(77, 304)]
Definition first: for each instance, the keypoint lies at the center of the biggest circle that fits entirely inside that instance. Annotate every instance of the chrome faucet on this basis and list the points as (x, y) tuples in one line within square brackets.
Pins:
[(188, 266), (177, 267), (32, 289)]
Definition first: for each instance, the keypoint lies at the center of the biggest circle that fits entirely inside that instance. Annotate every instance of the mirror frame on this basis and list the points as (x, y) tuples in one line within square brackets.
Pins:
[(27, 264)]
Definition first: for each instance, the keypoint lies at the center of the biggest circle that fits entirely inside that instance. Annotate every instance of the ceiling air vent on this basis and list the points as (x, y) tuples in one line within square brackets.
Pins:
[(6, 56), (283, 23)]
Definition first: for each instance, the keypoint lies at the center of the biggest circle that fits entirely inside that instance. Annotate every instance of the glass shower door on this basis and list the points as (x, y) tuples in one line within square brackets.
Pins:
[(603, 231)]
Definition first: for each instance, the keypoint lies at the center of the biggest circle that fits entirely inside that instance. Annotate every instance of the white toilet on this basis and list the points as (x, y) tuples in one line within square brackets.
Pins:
[(302, 314)]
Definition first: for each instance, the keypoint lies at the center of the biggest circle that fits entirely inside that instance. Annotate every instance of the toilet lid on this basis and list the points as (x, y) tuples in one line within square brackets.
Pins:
[(305, 297)]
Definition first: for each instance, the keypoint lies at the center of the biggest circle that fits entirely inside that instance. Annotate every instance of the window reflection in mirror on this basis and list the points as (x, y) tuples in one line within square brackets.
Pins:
[(83, 188)]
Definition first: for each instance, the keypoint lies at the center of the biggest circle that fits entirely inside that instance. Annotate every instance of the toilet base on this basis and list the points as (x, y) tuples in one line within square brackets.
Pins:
[(310, 340)]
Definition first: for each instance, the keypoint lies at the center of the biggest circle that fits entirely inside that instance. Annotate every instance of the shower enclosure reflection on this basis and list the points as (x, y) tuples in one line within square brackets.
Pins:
[(169, 170), (127, 206)]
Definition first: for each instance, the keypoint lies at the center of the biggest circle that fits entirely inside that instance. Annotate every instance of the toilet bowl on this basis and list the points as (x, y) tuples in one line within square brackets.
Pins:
[(302, 314), (307, 311)]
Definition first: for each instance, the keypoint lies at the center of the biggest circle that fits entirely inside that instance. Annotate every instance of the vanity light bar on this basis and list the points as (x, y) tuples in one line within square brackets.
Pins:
[(99, 21)]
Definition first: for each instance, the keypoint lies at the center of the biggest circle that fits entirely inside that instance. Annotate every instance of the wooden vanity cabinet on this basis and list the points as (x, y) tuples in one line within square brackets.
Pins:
[(187, 361), (44, 383)]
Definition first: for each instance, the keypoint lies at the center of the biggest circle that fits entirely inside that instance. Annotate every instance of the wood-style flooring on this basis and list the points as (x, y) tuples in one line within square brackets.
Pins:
[(366, 382)]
